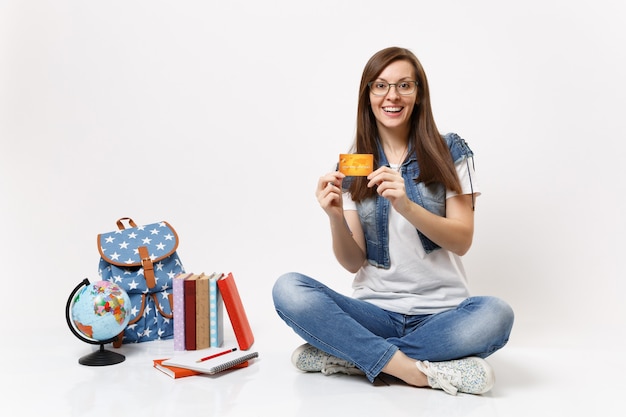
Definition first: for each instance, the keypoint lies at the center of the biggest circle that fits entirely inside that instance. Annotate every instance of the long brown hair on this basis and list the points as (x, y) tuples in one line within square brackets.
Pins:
[(433, 155)]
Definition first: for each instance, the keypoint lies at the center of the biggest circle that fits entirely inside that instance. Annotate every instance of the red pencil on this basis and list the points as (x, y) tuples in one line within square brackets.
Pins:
[(216, 355)]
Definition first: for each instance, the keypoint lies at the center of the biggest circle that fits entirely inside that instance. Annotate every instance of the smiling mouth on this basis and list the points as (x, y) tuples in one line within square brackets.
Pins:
[(392, 109)]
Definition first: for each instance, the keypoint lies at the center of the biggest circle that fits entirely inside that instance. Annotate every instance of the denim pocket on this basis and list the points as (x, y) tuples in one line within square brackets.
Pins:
[(433, 197)]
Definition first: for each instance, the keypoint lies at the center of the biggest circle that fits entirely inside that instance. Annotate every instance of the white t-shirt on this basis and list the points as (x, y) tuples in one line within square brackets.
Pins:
[(416, 282)]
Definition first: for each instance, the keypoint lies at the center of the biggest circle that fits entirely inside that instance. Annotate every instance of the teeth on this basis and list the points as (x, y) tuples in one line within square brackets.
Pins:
[(392, 109)]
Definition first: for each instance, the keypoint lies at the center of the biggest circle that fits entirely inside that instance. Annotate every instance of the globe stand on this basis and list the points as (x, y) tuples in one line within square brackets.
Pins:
[(100, 357)]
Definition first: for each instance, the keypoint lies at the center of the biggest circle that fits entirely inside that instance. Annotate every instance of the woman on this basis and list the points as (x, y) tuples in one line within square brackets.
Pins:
[(401, 230)]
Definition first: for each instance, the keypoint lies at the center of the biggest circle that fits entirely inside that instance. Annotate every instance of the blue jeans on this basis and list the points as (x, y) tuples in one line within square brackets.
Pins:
[(369, 336)]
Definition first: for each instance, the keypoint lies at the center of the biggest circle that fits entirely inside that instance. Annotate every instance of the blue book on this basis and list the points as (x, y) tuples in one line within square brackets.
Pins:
[(216, 321)]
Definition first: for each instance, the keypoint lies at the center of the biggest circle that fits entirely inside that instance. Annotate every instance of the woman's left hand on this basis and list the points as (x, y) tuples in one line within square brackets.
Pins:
[(390, 185)]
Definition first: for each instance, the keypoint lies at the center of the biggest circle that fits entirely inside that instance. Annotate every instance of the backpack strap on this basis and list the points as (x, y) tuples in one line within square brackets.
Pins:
[(148, 267), (120, 223)]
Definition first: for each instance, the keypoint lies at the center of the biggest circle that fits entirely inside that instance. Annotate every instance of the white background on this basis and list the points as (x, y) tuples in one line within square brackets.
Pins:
[(219, 117)]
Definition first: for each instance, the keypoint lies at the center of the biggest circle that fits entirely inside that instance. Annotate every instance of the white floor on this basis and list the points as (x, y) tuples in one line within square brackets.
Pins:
[(46, 379)]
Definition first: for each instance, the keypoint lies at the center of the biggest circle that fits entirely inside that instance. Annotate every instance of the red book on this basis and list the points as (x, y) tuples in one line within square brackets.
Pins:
[(236, 312), (190, 312)]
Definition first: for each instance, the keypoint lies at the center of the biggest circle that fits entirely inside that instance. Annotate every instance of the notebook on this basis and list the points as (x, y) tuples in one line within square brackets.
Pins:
[(176, 372), (221, 359)]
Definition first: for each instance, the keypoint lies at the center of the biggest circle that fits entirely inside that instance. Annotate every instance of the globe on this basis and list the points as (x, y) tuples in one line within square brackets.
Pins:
[(101, 310), (97, 313)]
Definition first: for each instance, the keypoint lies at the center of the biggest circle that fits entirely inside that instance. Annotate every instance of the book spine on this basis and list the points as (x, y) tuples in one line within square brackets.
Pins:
[(178, 293), (190, 313), (236, 311), (202, 312), (216, 325)]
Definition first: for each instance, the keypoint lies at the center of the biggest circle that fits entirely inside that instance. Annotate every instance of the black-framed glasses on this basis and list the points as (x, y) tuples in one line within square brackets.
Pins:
[(381, 88)]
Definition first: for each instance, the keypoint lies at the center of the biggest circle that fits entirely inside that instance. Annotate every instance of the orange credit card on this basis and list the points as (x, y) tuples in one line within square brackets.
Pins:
[(356, 164)]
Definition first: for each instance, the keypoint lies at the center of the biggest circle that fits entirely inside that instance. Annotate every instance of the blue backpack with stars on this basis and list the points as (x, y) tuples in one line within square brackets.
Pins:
[(143, 261)]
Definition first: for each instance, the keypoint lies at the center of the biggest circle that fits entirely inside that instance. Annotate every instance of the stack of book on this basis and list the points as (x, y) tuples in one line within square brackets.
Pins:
[(199, 312), (199, 302)]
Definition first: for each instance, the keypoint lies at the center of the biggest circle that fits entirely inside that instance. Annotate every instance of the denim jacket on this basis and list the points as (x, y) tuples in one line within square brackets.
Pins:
[(374, 212)]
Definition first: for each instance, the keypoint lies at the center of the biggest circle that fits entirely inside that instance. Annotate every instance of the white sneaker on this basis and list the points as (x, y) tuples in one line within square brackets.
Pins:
[(310, 359), (471, 375)]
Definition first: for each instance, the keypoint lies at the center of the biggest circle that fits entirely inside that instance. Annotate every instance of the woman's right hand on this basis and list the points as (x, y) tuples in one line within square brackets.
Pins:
[(328, 193)]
